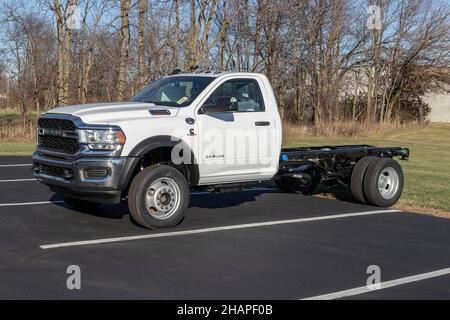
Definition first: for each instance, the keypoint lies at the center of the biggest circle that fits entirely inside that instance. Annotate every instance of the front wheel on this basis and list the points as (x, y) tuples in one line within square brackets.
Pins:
[(158, 197)]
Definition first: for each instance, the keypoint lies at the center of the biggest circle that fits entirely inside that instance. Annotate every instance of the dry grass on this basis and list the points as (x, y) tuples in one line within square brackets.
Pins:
[(424, 210), (341, 129), (17, 131), (13, 128)]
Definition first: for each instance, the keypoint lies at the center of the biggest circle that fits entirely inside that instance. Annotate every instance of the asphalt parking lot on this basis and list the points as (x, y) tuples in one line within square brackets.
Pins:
[(256, 244)]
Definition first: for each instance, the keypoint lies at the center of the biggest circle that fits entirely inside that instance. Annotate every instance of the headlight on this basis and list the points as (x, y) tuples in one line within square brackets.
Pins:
[(102, 139)]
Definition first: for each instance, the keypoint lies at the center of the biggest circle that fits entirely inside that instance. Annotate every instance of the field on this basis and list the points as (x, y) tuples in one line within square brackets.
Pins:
[(427, 173), (16, 148)]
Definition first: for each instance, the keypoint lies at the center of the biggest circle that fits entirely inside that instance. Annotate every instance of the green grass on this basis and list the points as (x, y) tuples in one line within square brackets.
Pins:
[(15, 148), (427, 173)]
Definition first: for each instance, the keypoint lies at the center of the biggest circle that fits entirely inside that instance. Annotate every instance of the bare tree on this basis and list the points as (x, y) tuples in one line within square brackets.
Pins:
[(142, 7), (198, 44), (125, 6), (323, 61)]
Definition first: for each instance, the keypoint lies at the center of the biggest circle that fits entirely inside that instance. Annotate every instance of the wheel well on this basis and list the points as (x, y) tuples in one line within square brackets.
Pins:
[(163, 155), (155, 156)]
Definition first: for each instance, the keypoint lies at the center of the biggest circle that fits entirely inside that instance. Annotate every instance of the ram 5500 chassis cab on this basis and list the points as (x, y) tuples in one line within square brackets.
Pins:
[(219, 131)]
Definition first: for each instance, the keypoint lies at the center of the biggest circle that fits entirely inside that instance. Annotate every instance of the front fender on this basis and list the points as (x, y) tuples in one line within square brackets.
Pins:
[(152, 143)]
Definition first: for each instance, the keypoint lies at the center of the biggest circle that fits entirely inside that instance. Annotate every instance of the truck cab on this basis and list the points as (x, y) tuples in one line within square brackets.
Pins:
[(229, 121)]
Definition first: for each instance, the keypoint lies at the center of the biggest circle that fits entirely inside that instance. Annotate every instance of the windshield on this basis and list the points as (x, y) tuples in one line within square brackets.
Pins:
[(173, 91)]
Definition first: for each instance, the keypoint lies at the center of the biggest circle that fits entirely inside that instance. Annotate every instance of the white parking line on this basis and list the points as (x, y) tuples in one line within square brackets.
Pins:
[(29, 203), (18, 180), (213, 229), (15, 165), (382, 285)]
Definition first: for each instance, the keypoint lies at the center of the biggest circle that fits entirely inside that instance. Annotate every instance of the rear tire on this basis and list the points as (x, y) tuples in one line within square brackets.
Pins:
[(357, 179), (80, 205), (158, 197), (383, 182)]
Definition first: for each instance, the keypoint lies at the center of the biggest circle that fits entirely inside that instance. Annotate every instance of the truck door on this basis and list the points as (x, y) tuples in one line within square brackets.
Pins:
[(237, 134)]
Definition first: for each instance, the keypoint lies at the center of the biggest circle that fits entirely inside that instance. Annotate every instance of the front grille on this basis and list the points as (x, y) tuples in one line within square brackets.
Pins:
[(54, 171), (59, 144), (57, 135), (61, 124)]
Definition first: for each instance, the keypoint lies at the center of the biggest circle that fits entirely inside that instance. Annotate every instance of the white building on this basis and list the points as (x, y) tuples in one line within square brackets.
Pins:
[(439, 103)]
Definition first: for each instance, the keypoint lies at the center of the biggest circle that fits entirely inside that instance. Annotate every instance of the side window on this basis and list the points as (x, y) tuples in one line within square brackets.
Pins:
[(248, 96), (220, 100), (235, 96)]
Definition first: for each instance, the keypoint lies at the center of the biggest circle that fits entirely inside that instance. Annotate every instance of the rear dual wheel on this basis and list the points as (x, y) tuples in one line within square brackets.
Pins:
[(377, 181), (357, 179)]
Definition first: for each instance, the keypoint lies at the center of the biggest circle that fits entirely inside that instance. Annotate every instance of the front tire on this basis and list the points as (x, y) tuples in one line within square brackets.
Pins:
[(158, 197)]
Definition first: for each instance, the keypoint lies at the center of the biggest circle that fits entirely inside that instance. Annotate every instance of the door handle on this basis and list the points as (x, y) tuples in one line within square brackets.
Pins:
[(262, 123)]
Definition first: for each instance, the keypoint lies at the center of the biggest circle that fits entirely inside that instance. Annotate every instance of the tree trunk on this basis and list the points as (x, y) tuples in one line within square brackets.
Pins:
[(223, 37), (34, 77), (257, 36), (66, 54), (176, 36), (191, 39), (142, 7), (60, 54), (124, 38)]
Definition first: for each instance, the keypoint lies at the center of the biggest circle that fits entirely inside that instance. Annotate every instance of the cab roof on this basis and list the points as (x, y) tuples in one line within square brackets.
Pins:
[(207, 73)]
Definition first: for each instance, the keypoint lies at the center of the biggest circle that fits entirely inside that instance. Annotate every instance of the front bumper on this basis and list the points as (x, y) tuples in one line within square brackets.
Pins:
[(71, 177)]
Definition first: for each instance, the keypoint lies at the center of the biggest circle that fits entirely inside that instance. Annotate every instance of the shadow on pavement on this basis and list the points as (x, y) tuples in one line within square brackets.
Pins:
[(226, 200)]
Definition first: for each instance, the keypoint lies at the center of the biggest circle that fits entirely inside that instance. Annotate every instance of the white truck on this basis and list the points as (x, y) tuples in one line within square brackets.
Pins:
[(219, 131)]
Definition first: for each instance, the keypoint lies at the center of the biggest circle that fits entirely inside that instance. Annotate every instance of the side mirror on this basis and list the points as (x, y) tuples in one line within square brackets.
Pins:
[(223, 104)]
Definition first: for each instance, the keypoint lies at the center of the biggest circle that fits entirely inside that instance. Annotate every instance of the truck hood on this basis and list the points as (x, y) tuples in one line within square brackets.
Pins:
[(108, 113)]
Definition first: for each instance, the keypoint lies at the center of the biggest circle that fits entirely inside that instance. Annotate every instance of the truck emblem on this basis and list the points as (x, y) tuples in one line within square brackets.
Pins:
[(57, 132), (51, 132)]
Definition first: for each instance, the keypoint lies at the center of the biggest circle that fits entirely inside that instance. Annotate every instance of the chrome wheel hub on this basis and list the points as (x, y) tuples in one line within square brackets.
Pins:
[(388, 183), (162, 198)]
